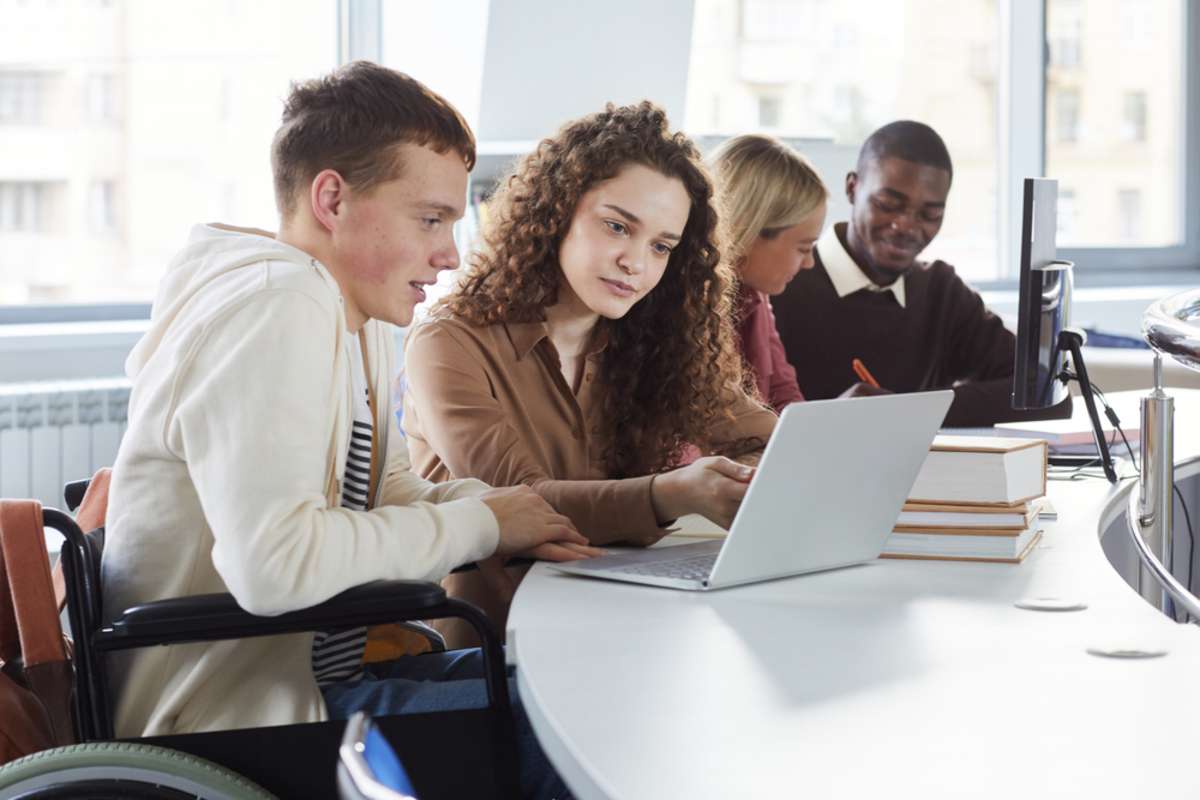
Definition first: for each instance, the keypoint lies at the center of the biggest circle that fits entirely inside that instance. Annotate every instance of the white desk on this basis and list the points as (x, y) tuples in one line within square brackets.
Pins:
[(892, 679)]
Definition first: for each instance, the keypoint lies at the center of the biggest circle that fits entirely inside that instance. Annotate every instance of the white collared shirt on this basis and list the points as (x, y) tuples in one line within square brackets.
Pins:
[(845, 274)]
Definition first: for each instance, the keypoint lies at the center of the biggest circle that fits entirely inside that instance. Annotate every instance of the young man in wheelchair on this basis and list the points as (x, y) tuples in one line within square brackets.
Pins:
[(262, 457)]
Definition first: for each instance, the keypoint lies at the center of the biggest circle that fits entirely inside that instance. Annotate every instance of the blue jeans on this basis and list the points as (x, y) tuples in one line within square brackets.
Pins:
[(447, 681)]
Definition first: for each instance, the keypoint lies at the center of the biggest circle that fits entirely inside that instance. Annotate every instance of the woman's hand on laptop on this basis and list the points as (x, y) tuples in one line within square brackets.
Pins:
[(712, 487), (527, 521)]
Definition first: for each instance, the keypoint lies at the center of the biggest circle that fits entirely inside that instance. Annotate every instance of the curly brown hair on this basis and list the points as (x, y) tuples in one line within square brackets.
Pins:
[(670, 367)]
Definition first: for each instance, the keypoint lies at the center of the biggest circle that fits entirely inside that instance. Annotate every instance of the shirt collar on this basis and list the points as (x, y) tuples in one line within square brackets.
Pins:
[(845, 274), (526, 335)]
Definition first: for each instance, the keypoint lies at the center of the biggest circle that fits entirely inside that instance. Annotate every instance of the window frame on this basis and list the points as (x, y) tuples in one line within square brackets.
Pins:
[(1183, 258), (1025, 58)]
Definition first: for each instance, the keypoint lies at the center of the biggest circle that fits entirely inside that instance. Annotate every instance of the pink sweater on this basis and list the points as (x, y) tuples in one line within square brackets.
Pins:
[(760, 345)]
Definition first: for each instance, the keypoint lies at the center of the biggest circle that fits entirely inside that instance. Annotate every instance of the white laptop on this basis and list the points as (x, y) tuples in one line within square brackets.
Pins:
[(826, 494)]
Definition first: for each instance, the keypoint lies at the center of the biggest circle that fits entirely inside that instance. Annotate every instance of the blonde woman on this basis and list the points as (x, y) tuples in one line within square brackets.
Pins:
[(773, 208)]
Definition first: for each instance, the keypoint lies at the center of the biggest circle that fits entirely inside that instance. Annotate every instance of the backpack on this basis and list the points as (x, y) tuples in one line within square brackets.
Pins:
[(36, 677)]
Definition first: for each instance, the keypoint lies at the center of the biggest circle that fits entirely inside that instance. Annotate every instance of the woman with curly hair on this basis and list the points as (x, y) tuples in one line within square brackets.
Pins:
[(773, 208), (590, 344)]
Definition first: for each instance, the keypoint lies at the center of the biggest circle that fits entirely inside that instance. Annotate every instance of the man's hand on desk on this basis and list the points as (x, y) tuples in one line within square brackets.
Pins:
[(527, 521), (712, 486), (563, 551)]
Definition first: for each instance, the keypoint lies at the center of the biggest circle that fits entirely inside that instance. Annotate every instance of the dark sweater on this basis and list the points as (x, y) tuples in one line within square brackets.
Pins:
[(945, 337)]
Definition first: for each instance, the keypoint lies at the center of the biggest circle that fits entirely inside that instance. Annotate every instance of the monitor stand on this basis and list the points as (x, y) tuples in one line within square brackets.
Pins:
[(1072, 341)]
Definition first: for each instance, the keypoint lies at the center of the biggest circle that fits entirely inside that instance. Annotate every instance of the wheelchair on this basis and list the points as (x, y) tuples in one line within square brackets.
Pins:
[(450, 754), (368, 767)]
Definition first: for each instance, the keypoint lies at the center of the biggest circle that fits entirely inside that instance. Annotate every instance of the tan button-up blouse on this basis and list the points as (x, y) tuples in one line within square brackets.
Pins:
[(491, 403)]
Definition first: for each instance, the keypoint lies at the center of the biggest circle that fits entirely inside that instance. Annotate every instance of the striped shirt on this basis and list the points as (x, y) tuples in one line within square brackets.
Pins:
[(337, 655)]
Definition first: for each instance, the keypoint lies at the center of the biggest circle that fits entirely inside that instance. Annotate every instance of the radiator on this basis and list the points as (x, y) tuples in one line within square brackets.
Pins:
[(52, 433)]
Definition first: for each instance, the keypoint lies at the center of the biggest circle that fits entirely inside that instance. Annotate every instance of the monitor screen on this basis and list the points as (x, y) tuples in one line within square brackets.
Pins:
[(1045, 302)]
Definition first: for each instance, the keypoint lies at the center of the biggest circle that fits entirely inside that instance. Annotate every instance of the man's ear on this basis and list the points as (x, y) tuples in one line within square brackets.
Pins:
[(327, 194), (851, 185)]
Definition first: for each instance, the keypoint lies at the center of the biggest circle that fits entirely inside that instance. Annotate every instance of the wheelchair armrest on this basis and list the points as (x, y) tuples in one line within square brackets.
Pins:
[(74, 491), (212, 617)]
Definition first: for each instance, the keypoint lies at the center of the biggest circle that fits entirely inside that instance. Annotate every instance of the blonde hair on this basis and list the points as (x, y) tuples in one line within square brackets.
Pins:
[(764, 186)]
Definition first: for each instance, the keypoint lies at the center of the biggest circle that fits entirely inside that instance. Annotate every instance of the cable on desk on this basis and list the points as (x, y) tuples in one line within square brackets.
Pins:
[(1191, 536)]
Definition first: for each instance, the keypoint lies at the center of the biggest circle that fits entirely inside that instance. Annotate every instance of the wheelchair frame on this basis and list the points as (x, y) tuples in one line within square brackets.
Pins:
[(301, 760)]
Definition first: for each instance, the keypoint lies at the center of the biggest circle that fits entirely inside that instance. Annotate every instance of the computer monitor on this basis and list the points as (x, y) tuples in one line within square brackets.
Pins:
[(1045, 302), (1049, 351)]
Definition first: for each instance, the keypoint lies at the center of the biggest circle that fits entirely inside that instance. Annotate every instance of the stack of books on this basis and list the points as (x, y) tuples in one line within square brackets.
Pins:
[(976, 499)]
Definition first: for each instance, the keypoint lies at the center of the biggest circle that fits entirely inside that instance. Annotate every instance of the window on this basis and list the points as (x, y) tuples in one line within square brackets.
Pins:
[(770, 111), (166, 109), (1066, 116), (109, 217), (779, 20), (824, 75), (844, 36), (1133, 20), (102, 98), (1129, 214), (1133, 127), (982, 61), (1068, 215), (20, 98), (1064, 26), (226, 103), (21, 207), (1119, 133), (102, 207), (1090, 92)]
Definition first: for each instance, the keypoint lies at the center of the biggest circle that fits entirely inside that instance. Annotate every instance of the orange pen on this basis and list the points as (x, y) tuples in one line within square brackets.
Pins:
[(864, 374)]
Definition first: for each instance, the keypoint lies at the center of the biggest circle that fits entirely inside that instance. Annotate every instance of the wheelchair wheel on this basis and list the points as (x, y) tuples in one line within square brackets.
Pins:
[(122, 770)]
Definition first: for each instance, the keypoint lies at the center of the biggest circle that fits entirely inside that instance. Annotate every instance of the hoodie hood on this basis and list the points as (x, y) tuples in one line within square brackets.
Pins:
[(213, 252)]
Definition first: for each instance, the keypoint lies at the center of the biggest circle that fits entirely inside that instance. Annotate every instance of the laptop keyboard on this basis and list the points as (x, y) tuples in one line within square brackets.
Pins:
[(693, 568)]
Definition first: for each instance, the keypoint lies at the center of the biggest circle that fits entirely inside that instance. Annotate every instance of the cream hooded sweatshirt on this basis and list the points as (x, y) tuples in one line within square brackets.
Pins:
[(227, 481)]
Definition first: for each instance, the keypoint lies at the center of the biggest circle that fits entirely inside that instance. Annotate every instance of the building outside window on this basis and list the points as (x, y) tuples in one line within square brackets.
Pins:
[(128, 132), (102, 207), (1135, 23), (102, 98), (780, 20), (1068, 215), (21, 206), (770, 111), (1066, 116), (1133, 121), (20, 97), (1129, 214), (1127, 174), (1064, 29), (203, 79)]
